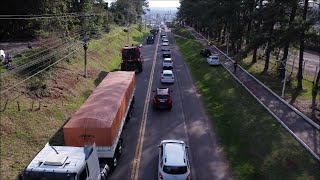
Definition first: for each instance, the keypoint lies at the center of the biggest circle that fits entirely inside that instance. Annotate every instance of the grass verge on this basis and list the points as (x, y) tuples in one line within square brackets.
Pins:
[(256, 146), (25, 132)]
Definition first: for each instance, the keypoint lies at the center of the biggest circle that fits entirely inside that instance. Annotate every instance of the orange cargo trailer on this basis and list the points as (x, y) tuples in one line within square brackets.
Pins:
[(101, 118)]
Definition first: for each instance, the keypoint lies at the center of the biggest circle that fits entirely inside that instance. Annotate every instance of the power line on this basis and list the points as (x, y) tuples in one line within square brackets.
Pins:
[(38, 72), (8, 17)]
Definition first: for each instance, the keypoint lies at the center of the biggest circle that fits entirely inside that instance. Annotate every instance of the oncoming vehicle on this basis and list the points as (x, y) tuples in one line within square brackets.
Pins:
[(213, 60), (163, 36), (162, 98), (150, 39), (205, 52), (167, 76), (173, 160), (167, 63)]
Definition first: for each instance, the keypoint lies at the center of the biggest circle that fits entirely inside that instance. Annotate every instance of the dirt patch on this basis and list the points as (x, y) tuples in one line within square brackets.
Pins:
[(305, 107), (94, 56)]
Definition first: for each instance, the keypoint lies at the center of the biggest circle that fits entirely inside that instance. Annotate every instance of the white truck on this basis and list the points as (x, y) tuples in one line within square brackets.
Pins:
[(92, 137)]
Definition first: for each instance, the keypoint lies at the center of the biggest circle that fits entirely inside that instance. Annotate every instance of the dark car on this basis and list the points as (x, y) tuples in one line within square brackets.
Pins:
[(166, 53), (162, 98), (150, 39), (205, 52)]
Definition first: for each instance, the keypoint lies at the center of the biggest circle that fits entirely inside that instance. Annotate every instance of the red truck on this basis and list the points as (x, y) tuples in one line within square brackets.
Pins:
[(132, 59)]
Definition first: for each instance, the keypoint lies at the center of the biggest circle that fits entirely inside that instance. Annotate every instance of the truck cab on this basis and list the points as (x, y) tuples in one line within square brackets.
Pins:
[(66, 163)]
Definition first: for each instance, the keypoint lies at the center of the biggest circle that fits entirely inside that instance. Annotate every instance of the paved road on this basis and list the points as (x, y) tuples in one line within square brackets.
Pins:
[(307, 133), (186, 121)]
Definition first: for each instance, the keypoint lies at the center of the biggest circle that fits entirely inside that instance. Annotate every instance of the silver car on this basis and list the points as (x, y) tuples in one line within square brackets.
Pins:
[(173, 161)]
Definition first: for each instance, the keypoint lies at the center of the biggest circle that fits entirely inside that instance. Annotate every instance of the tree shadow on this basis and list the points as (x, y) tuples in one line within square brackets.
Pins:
[(100, 77), (295, 94)]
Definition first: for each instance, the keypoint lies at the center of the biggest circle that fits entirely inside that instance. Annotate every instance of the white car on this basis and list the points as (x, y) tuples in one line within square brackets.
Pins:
[(164, 46), (167, 63), (213, 60), (167, 76), (164, 36), (165, 41), (173, 161)]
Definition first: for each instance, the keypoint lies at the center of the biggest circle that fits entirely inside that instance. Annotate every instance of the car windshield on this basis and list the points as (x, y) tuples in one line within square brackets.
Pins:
[(162, 96), (175, 169), (167, 75), (167, 61)]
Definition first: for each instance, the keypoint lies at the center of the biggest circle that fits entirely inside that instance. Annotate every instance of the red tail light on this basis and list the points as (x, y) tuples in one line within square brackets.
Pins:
[(160, 176), (189, 177)]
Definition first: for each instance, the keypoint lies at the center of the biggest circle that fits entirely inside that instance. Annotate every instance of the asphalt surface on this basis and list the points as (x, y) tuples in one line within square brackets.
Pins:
[(308, 133), (186, 121)]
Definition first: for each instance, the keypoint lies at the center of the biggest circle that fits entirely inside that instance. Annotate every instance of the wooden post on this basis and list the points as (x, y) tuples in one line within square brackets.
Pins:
[(18, 105), (39, 105), (32, 105)]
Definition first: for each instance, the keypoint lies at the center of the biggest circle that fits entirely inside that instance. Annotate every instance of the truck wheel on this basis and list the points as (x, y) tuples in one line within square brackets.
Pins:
[(140, 67)]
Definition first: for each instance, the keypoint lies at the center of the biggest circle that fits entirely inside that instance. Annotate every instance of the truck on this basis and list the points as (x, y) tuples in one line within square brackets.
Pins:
[(132, 59), (92, 137), (150, 39)]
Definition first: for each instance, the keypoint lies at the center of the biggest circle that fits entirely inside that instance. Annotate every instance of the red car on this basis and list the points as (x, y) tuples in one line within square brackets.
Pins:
[(162, 98)]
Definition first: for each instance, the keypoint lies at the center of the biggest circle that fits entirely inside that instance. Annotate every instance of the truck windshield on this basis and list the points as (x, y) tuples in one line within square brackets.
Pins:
[(48, 176)]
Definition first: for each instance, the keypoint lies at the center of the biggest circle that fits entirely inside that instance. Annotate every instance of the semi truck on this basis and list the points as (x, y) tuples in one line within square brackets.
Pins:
[(92, 137), (132, 59)]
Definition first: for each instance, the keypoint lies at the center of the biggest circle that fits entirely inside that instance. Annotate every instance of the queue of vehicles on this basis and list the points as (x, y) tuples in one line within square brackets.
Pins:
[(93, 140)]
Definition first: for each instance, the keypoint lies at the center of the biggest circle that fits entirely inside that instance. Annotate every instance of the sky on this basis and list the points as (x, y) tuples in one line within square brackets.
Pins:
[(161, 3)]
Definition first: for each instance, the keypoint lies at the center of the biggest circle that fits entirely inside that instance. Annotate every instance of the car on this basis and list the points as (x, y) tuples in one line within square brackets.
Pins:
[(163, 36), (173, 160), (166, 52), (167, 76), (165, 41), (213, 60), (150, 39), (205, 52), (162, 99), (164, 46), (167, 63)]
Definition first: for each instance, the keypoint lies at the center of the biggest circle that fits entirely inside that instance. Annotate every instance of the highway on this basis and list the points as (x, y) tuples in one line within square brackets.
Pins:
[(186, 121)]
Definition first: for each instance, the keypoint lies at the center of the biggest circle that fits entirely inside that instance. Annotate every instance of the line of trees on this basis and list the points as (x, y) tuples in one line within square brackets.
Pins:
[(116, 12), (252, 24)]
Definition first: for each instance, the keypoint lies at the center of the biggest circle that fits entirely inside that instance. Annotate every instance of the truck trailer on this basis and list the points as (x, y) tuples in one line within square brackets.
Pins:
[(92, 137)]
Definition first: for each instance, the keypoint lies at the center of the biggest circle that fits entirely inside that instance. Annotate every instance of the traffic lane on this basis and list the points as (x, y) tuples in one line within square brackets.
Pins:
[(131, 129), (207, 157), (160, 125)]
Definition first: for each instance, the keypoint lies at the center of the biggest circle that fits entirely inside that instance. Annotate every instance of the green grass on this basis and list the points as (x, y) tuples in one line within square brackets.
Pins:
[(270, 79), (256, 146), (184, 33), (25, 132)]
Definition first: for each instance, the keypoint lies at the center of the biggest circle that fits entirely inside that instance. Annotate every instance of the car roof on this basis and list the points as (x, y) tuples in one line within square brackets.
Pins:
[(167, 59), (167, 72), (174, 154), (162, 91), (165, 43)]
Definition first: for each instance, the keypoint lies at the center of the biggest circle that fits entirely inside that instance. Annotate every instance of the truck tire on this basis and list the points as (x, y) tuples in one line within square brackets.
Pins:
[(140, 67)]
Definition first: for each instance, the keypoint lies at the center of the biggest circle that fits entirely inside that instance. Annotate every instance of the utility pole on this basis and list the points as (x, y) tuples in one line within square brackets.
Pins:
[(284, 81), (85, 47)]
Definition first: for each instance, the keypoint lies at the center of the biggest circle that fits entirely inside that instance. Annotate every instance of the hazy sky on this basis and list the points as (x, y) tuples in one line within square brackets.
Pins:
[(161, 3)]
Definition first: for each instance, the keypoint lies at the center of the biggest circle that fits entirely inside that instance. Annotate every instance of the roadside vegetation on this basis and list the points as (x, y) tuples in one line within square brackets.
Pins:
[(260, 31), (59, 92), (255, 144)]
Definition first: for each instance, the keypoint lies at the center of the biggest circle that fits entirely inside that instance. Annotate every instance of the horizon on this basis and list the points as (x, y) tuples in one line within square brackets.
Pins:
[(160, 3)]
